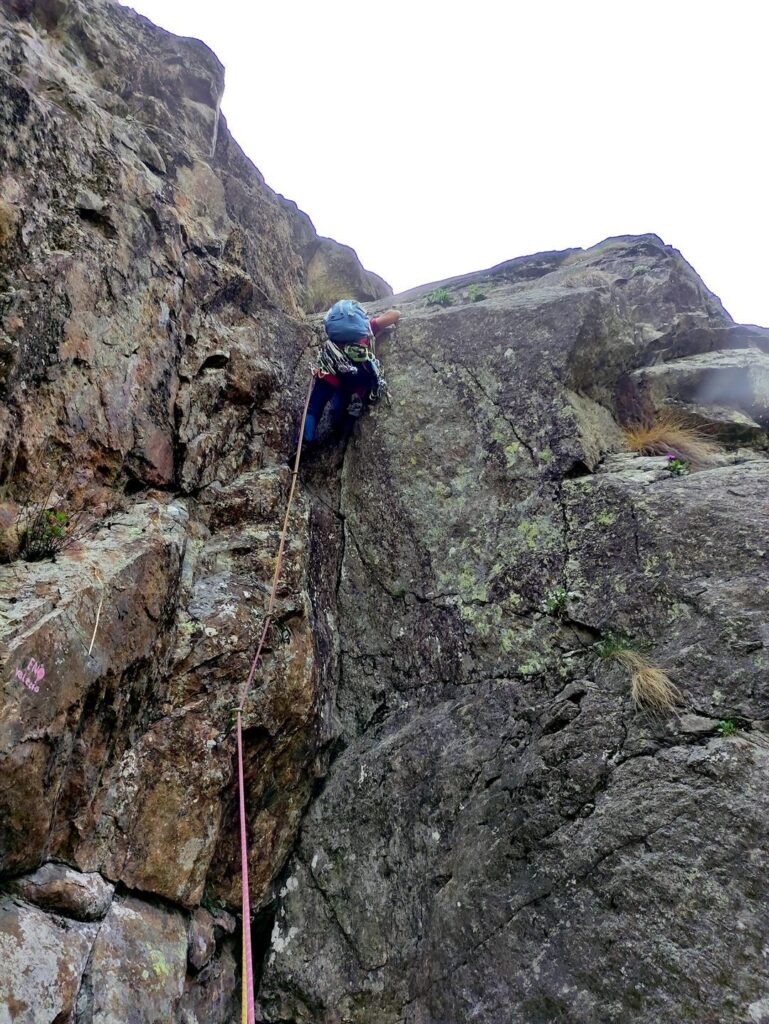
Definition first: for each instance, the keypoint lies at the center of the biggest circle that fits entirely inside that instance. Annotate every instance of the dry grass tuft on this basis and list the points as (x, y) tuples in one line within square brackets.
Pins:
[(671, 431), (9, 222), (650, 687)]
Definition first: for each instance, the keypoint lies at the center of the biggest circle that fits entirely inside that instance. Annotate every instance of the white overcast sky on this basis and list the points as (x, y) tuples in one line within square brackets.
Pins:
[(438, 138)]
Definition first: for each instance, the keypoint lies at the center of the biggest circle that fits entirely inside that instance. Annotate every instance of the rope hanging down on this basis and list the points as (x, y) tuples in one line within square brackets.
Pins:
[(248, 1013)]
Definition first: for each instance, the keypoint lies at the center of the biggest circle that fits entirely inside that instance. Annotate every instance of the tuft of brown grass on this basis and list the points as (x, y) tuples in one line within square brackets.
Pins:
[(9, 222), (671, 431), (650, 687)]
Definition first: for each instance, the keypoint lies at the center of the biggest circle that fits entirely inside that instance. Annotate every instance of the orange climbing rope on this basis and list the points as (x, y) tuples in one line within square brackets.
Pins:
[(248, 1012)]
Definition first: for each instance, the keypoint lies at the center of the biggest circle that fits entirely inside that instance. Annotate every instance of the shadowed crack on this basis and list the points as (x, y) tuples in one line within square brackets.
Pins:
[(399, 594), (328, 904), (503, 415), (84, 998)]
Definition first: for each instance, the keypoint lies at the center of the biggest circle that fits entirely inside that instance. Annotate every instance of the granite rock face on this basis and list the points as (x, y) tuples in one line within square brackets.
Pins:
[(503, 835), (455, 810), (153, 353)]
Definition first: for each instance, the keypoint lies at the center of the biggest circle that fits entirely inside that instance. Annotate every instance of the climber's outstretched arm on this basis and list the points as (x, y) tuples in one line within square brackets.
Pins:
[(388, 319)]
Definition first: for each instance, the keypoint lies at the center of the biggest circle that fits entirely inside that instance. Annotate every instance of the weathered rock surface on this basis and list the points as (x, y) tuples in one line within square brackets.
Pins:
[(726, 389), (67, 714), (212, 996), (55, 887), (138, 965), (455, 811), (202, 943), (43, 959), (331, 269)]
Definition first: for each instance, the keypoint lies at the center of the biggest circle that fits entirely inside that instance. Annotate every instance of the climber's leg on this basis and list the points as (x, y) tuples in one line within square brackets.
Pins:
[(322, 393), (338, 409)]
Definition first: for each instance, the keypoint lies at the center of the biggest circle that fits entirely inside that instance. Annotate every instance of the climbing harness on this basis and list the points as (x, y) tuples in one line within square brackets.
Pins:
[(338, 362), (367, 354), (248, 1014)]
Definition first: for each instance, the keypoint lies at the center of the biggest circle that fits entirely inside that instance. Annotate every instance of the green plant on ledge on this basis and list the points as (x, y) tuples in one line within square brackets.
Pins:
[(611, 645), (556, 600), (727, 727), (212, 903), (45, 532), (676, 466), (439, 297), (475, 293)]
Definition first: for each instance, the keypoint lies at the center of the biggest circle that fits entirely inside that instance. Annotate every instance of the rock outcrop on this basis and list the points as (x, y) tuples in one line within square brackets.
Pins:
[(456, 811), (153, 351), (503, 835)]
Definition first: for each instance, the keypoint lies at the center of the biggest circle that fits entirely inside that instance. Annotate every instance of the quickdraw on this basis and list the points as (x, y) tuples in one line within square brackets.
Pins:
[(332, 361), (382, 389)]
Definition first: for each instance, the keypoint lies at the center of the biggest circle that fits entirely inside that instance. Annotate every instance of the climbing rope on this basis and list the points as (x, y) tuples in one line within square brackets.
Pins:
[(248, 1012)]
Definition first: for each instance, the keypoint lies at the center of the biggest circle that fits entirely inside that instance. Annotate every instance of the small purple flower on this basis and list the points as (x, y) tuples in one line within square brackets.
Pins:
[(672, 457)]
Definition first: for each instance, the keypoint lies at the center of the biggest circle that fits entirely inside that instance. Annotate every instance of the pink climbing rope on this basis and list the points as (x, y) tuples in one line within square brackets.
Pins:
[(248, 1012), (247, 984)]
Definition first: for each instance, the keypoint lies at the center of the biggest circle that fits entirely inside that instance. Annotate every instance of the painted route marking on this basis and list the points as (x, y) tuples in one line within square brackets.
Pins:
[(32, 675)]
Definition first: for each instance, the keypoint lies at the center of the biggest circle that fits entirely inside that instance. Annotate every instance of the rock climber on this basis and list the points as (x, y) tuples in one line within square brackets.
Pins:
[(346, 384)]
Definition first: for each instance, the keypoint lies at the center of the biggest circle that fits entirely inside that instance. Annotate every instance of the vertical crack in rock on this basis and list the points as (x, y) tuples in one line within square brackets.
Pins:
[(83, 1008)]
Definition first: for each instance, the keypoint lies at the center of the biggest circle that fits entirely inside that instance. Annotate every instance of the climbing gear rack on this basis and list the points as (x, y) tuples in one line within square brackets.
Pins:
[(332, 360)]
